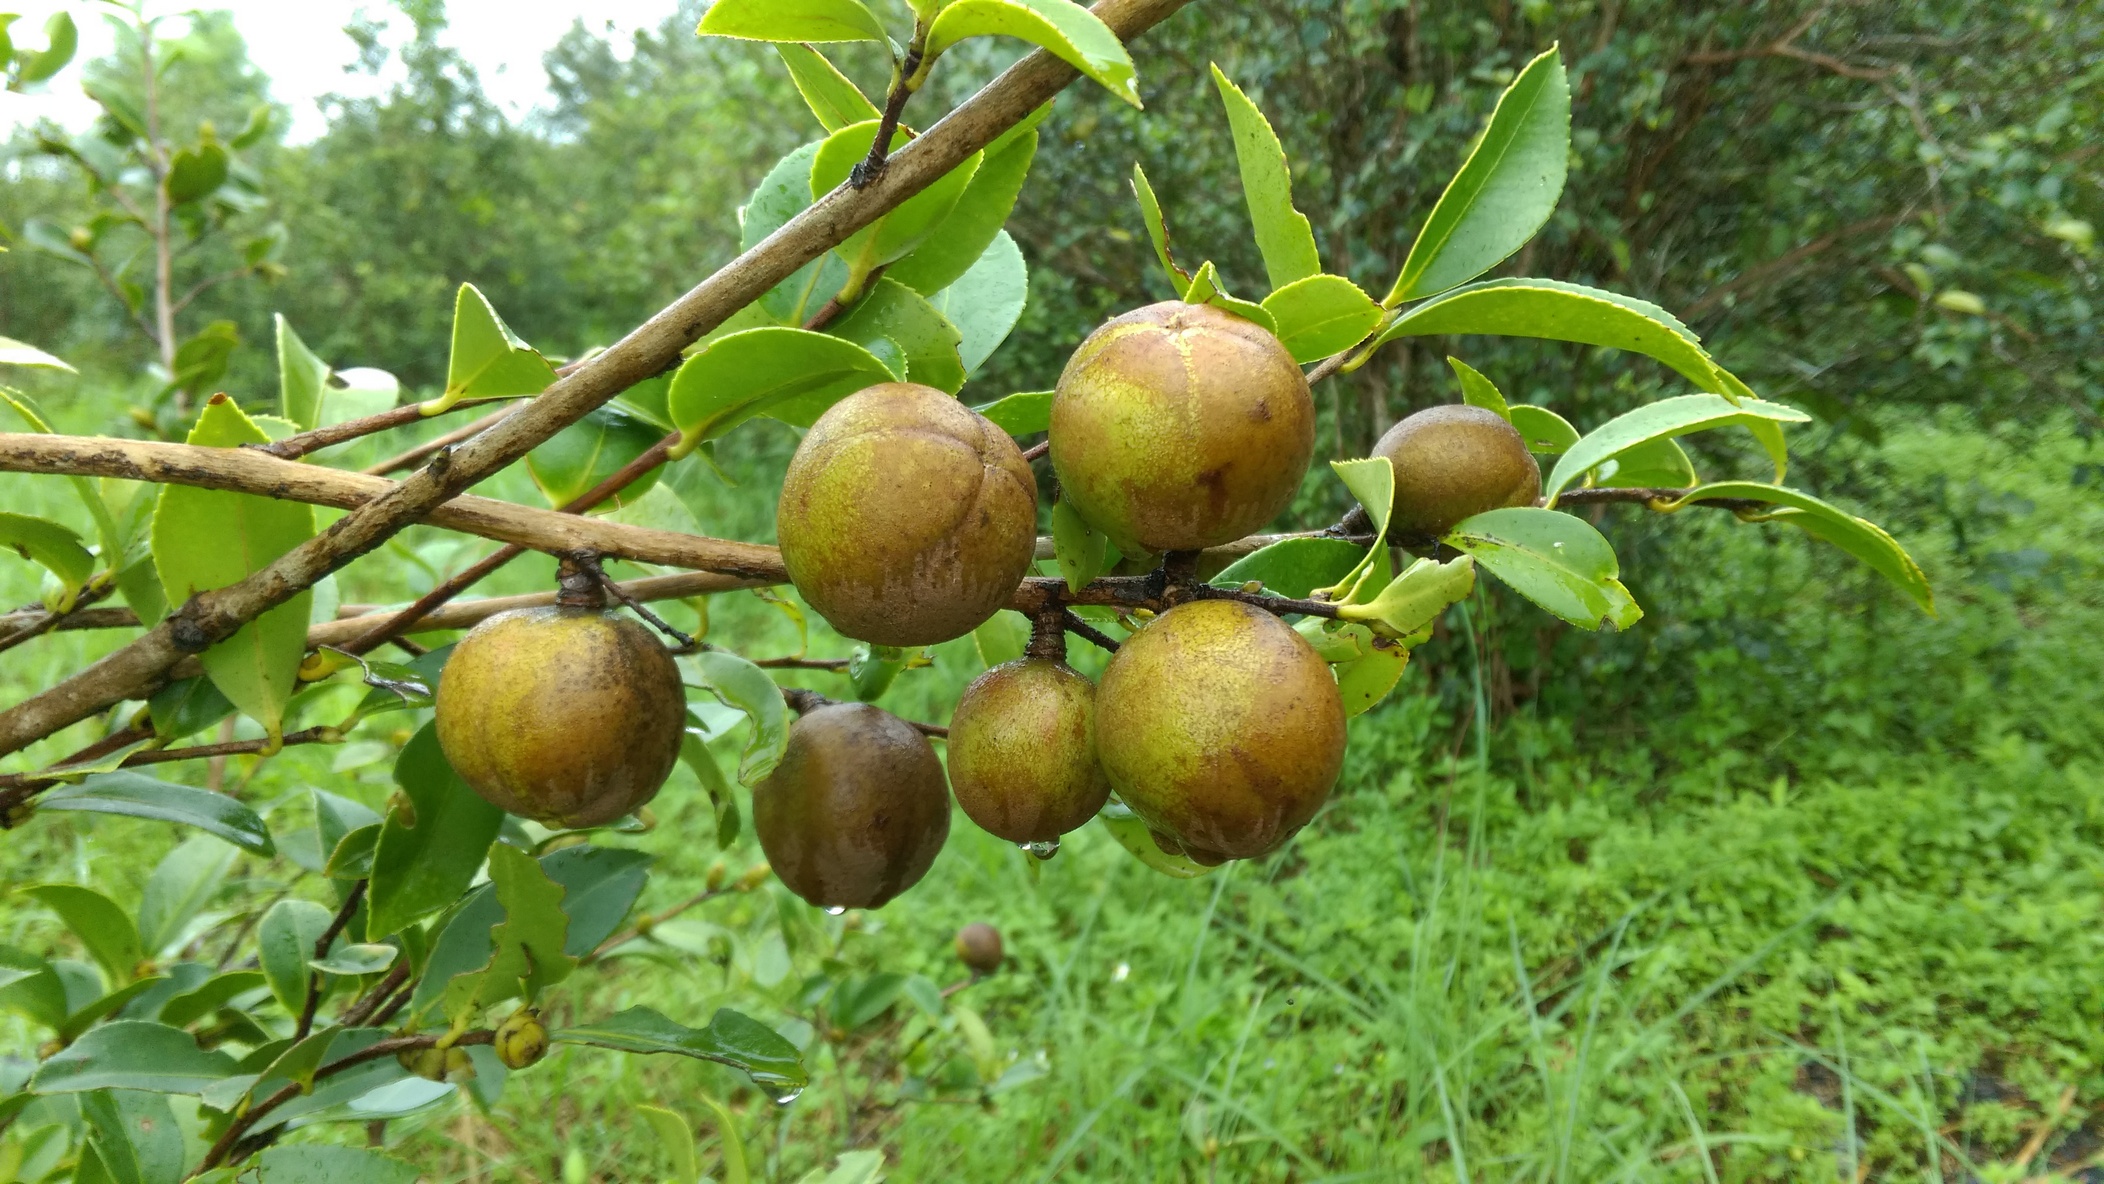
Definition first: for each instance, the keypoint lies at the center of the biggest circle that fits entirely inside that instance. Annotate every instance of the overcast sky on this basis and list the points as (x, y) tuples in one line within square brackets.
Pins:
[(300, 44)]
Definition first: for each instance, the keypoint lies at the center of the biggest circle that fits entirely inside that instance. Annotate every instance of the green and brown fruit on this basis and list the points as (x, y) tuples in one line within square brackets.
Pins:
[(522, 1039), (569, 716), (856, 811), (1454, 462), (1221, 728), (979, 948), (1180, 426), (1023, 751), (906, 518)]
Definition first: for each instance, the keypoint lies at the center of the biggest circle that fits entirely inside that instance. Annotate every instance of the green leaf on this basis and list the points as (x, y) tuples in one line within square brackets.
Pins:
[(17, 353), (1206, 288), (302, 378), (209, 538), (676, 1138), (55, 548), (136, 795), (1859, 537), (784, 193), (527, 948), (89, 1014), (694, 753), (740, 684), (1364, 682), (194, 173), (1553, 559), (61, 40), (730, 1039), (1505, 190), (109, 935), (430, 848), (285, 943), (1321, 315), (253, 131), (1132, 834), (835, 100), (730, 1141), (185, 708), (985, 302), (974, 224), (871, 670), (115, 540), (1283, 234), (1408, 604), (905, 227), (1001, 638), (1656, 464), (135, 1135), (1569, 312), (322, 1164), (1668, 418), (488, 359), (351, 858), (206, 998), (1060, 27), (1545, 431), (575, 460), (355, 959), (132, 1054), (1082, 552), (1372, 481), (788, 374), (182, 885), (852, 1167), (31, 987), (1478, 391), (892, 311), (1294, 568), (1025, 413), (791, 20), (1158, 231)]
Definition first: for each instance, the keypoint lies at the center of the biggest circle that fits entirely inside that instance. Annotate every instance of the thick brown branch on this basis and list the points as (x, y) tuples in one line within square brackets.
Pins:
[(213, 616)]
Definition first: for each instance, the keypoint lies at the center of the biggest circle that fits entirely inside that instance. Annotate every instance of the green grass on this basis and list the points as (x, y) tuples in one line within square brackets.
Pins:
[(1789, 883)]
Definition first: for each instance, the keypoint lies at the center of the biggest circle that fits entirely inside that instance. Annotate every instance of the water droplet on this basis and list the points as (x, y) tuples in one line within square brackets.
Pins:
[(835, 910), (1042, 850), (1557, 545), (786, 1096), (1119, 975)]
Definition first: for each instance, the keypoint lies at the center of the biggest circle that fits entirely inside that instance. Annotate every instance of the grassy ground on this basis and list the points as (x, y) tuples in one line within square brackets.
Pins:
[(1787, 884)]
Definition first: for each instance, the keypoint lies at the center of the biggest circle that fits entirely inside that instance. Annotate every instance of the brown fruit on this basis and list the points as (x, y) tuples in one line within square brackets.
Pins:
[(570, 717), (1180, 426), (906, 517), (1023, 751), (1221, 728), (856, 811), (979, 947), (1453, 462)]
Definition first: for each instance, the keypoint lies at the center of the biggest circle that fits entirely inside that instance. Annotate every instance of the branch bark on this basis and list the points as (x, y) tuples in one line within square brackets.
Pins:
[(648, 350)]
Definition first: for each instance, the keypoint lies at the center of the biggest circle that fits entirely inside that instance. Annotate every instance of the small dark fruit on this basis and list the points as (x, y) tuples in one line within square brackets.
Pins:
[(906, 518), (979, 947), (1180, 426), (857, 810), (571, 717), (1023, 751), (1222, 729), (1454, 462)]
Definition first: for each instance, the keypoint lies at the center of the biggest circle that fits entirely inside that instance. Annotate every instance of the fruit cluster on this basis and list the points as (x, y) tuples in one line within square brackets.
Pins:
[(907, 519)]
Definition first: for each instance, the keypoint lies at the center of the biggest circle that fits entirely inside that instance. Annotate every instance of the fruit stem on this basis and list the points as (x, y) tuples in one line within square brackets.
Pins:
[(579, 584), (1048, 635)]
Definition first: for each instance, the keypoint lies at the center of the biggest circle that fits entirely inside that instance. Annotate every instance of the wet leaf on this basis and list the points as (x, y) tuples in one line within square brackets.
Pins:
[(730, 1039), (136, 795), (1553, 559)]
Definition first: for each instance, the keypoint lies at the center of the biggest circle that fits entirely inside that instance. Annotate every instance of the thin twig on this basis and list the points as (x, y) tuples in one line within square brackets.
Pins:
[(48, 621), (321, 950), (412, 457), (590, 563), (651, 921), (357, 1013), (294, 447), (872, 166), (163, 756), (1088, 633), (1041, 448), (803, 702)]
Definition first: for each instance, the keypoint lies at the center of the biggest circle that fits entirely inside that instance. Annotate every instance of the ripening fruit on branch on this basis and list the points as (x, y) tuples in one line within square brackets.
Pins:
[(1453, 462), (906, 518), (857, 810), (522, 1039), (1221, 727), (569, 716), (1180, 426), (1023, 751), (979, 948)]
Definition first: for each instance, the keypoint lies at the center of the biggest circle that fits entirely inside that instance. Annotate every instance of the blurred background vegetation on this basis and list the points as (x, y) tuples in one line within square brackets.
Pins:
[(1789, 882)]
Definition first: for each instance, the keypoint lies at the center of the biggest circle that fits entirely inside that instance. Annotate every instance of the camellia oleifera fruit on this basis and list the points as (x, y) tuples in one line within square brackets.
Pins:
[(1180, 426), (1221, 727), (569, 716), (1453, 462), (906, 518), (857, 810), (1023, 751)]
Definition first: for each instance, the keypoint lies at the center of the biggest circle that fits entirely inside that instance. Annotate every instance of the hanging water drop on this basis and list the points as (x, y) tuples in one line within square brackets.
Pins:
[(788, 1095), (1043, 849), (834, 910)]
